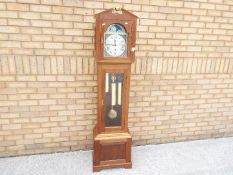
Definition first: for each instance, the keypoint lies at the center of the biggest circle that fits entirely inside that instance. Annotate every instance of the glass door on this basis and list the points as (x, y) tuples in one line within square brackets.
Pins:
[(113, 98)]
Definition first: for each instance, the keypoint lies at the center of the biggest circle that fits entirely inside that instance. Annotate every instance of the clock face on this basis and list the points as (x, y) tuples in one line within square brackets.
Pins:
[(115, 41), (115, 45)]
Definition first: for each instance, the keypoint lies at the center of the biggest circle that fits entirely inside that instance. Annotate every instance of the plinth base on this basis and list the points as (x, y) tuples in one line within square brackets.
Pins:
[(112, 150)]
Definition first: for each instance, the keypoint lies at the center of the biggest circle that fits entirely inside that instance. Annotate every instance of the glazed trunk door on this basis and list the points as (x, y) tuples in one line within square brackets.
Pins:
[(114, 82), (114, 97)]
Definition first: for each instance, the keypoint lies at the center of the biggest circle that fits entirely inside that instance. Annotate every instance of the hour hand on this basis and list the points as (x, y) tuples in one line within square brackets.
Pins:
[(110, 45)]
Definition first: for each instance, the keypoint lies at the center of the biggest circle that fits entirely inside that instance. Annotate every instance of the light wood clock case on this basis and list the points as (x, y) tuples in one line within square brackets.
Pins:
[(115, 52)]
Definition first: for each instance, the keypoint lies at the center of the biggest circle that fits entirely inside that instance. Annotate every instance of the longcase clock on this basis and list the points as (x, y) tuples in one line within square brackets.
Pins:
[(115, 47)]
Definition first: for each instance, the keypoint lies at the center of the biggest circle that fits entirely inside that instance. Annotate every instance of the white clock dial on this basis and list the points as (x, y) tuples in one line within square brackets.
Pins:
[(115, 45)]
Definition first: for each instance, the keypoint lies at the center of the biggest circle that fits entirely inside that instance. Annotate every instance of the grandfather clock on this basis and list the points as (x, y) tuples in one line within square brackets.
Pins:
[(115, 46)]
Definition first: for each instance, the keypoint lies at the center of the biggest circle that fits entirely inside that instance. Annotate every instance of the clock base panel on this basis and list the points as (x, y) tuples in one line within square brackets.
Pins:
[(111, 151)]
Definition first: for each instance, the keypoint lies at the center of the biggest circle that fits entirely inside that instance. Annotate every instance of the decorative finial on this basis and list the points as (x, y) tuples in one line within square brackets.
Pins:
[(117, 10)]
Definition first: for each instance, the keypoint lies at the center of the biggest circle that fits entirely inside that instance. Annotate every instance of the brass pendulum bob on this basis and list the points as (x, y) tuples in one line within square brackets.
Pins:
[(112, 114)]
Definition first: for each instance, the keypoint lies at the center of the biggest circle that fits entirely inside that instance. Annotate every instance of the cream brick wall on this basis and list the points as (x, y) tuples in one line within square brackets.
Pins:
[(182, 81)]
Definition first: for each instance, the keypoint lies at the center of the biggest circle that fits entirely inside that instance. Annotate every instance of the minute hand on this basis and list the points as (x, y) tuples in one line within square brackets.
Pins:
[(110, 45)]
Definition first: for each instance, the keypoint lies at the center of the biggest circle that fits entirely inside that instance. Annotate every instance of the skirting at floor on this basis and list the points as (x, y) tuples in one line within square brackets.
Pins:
[(203, 157)]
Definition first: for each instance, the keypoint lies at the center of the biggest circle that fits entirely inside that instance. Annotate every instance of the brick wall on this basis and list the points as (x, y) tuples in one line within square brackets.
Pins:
[(181, 86)]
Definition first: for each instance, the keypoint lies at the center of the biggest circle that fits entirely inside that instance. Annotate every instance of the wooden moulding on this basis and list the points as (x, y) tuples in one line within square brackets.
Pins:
[(112, 136)]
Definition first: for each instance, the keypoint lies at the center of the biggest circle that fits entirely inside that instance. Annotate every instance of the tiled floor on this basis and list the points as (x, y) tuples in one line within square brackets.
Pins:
[(203, 157)]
